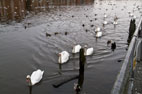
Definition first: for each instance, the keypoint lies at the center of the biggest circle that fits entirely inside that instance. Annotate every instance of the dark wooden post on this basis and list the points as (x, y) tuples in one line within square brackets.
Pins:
[(82, 60)]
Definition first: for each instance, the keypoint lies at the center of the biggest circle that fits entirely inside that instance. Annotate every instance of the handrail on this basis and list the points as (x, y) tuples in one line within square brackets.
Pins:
[(126, 68)]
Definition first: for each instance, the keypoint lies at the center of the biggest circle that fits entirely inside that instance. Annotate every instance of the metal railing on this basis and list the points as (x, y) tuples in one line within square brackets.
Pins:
[(125, 73)]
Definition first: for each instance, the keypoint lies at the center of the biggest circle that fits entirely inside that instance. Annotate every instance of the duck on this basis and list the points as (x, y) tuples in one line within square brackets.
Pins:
[(113, 46), (35, 77), (92, 25), (83, 25), (108, 42), (48, 35), (63, 57), (56, 33), (76, 48), (88, 51), (66, 33)]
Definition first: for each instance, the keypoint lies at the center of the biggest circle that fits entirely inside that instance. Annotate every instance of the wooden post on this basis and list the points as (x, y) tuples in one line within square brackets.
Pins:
[(82, 60)]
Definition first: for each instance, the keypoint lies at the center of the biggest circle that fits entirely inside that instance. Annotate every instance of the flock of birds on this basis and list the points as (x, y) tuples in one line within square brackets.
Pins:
[(36, 76), (98, 32), (64, 56)]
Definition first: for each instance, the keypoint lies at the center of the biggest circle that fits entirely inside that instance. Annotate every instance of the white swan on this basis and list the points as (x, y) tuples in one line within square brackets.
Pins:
[(134, 17), (63, 57), (88, 51), (97, 29), (35, 77), (131, 14), (105, 15), (99, 34), (105, 22), (76, 49), (115, 23)]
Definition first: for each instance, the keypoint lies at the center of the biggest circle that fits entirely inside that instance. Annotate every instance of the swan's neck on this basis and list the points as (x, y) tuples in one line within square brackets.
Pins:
[(60, 58), (73, 49), (85, 51), (29, 81)]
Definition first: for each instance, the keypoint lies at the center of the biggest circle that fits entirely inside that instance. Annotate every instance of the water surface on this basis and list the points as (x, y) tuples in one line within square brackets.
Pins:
[(24, 50)]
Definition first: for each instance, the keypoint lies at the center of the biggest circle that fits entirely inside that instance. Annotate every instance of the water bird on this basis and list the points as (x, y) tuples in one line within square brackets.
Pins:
[(115, 23), (105, 15), (92, 25), (29, 24), (66, 33), (56, 33), (131, 14), (48, 35), (99, 34), (86, 30), (113, 46), (35, 77), (97, 29), (115, 20), (25, 26), (105, 22), (76, 48), (134, 17), (63, 57), (72, 16), (77, 88), (108, 42), (95, 14), (88, 51), (83, 25)]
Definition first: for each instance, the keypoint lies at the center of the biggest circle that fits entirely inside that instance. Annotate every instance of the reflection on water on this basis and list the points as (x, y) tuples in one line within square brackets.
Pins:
[(23, 50), (18, 9)]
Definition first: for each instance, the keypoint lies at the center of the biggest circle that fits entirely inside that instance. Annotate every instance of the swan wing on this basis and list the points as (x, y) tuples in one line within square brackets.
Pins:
[(64, 56), (115, 22), (89, 51), (99, 34), (36, 76), (77, 48), (98, 29)]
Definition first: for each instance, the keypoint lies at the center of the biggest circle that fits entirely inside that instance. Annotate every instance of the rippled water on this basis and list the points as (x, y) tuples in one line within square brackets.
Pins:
[(25, 50)]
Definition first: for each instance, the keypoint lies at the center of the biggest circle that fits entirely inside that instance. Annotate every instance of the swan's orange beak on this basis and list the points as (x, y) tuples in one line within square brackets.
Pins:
[(27, 80), (59, 54)]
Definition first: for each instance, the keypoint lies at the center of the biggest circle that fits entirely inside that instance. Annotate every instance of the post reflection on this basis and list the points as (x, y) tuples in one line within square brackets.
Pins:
[(18, 9)]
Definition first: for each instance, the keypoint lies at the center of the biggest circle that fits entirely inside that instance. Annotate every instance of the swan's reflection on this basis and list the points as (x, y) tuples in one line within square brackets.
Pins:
[(60, 68)]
